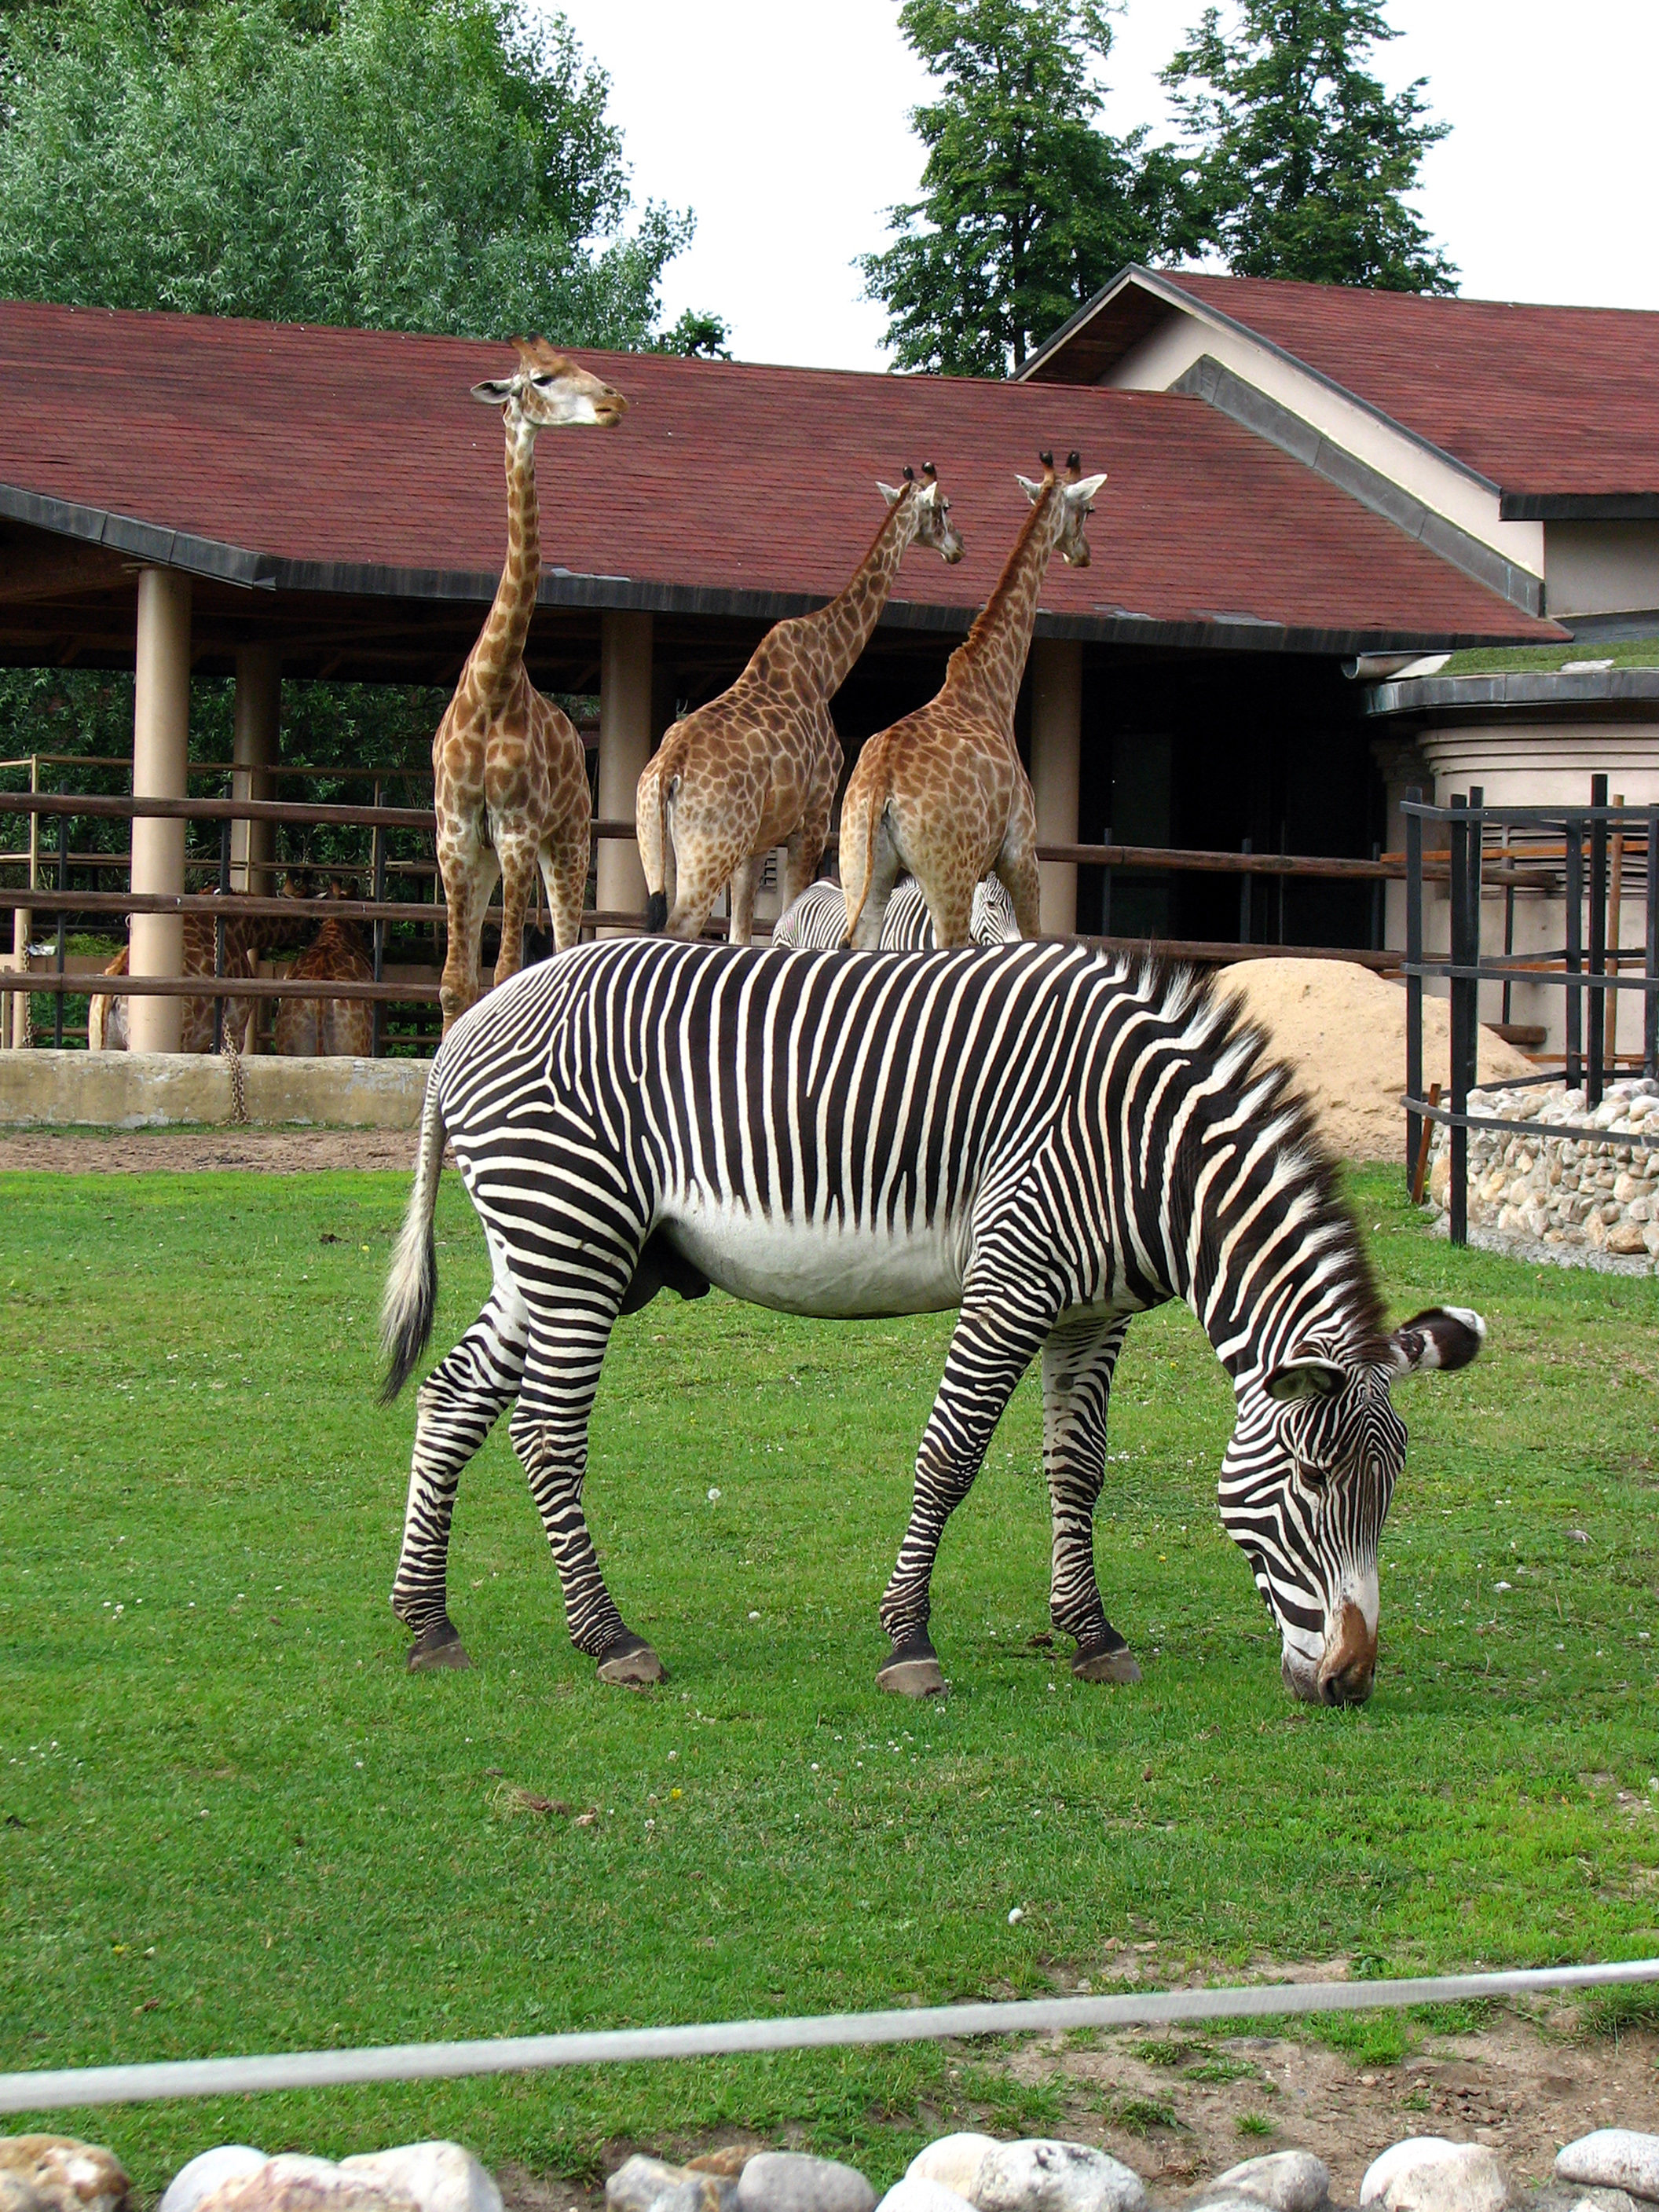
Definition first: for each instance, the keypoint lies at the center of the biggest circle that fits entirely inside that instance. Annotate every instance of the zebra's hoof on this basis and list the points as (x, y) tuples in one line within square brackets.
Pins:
[(1103, 1666), (633, 1663), (438, 1647), (912, 1671)]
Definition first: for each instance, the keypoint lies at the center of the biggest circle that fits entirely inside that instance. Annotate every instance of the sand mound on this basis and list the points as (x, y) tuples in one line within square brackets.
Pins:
[(1343, 1030)]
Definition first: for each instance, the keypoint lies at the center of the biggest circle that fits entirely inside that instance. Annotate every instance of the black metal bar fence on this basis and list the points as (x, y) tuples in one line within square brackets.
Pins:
[(1541, 865)]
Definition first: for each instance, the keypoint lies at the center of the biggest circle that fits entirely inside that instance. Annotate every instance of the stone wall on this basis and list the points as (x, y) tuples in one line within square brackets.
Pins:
[(1597, 1193)]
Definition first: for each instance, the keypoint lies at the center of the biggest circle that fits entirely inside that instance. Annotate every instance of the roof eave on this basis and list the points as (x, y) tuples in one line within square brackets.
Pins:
[(1578, 506)]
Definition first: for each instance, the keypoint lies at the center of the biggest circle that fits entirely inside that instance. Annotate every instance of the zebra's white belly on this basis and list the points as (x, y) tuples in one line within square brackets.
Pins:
[(822, 1269)]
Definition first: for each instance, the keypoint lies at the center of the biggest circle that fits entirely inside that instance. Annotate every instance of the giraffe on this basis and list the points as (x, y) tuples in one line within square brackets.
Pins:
[(339, 953), (942, 795), (509, 773), (759, 765)]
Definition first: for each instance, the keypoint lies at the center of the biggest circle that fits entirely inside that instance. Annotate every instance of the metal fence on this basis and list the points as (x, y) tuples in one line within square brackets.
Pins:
[(1595, 854)]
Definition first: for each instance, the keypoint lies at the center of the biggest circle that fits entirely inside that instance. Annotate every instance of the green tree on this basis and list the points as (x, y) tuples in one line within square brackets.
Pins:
[(1028, 206), (430, 165), (1304, 162)]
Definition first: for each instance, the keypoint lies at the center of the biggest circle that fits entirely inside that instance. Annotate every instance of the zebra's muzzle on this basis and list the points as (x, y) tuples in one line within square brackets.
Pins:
[(1349, 1667)]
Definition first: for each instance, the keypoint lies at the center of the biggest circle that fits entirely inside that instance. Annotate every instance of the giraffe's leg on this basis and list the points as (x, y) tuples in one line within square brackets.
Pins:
[(1077, 1383), (745, 882), (802, 855), (564, 872), (549, 1434), (999, 1331), (469, 869), (886, 867), (1016, 863), (951, 904), (518, 860), (702, 866), (458, 1404)]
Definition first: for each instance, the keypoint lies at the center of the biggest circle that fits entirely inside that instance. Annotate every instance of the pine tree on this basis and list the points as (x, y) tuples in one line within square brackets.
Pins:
[(1028, 207), (1303, 162)]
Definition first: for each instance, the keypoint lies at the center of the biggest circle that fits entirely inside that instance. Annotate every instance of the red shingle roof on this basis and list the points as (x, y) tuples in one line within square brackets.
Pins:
[(1551, 401), (331, 453)]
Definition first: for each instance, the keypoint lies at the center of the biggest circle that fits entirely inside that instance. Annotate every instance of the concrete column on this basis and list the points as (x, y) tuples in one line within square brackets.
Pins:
[(625, 745), (1057, 740), (160, 750), (255, 717)]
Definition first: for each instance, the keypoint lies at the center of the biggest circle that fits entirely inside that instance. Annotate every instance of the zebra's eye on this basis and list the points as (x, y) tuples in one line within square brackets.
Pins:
[(1315, 1477)]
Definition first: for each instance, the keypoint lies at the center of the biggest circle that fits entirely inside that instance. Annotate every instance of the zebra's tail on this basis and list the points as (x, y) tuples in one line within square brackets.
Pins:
[(411, 1287), (877, 808)]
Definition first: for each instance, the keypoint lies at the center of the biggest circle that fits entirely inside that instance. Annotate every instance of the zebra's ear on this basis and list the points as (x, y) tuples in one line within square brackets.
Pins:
[(1298, 1379), (1443, 1336)]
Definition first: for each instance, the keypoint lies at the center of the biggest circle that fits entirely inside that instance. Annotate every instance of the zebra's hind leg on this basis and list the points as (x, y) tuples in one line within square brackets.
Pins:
[(995, 1338), (459, 1403), (1077, 1363), (549, 1434)]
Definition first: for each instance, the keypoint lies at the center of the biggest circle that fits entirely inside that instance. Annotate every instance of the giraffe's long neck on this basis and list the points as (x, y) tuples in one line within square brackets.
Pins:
[(834, 637), (499, 654), (986, 668)]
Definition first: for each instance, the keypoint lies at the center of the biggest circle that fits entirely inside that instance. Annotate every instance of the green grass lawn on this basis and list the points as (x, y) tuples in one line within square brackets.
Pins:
[(230, 1821), (1547, 659)]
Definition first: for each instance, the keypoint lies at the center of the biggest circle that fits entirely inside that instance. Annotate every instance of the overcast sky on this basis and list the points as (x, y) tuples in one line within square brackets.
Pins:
[(783, 127)]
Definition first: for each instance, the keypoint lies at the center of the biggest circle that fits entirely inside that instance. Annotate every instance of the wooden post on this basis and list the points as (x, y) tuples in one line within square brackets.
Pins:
[(161, 752), (1419, 1171), (1056, 745), (625, 745), (1462, 992)]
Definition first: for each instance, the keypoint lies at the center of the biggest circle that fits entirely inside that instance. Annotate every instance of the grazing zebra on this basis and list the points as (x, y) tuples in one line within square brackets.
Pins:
[(816, 922), (1046, 1137)]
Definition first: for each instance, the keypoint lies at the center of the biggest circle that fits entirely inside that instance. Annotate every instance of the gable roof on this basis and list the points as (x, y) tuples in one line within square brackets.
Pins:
[(289, 457), (1549, 404)]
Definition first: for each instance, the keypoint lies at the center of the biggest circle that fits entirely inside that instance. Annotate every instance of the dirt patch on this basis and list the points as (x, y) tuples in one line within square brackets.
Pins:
[(142, 1152), (1343, 1030), (1520, 2086)]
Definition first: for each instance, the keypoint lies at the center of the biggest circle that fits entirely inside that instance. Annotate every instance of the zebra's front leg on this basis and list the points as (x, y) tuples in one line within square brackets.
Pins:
[(458, 1405), (549, 1434), (994, 1344), (1078, 1362)]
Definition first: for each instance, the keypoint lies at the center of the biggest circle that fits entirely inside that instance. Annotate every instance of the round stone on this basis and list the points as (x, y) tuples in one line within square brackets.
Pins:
[(954, 2161), (203, 2174), (1288, 2180), (1043, 2176), (1614, 2158), (923, 2195), (1429, 2173), (790, 2181)]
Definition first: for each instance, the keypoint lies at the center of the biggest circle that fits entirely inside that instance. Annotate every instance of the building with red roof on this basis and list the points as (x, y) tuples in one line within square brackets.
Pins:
[(1300, 479)]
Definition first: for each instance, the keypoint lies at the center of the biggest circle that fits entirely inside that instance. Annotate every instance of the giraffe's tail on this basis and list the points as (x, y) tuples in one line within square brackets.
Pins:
[(657, 787), (875, 807), (411, 1287)]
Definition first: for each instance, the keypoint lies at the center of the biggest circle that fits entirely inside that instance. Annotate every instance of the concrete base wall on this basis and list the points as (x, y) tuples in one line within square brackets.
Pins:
[(150, 1091)]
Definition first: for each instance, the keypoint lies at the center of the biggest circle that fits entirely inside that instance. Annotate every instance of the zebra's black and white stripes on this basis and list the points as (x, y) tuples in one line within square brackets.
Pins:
[(1041, 1137), (817, 921)]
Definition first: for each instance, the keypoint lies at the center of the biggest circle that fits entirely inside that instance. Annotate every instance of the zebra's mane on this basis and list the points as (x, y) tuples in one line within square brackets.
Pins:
[(1220, 1028)]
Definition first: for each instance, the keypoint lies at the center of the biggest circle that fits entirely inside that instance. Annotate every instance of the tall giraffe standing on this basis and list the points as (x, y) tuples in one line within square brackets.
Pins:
[(941, 795), (759, 765), (509, 773)]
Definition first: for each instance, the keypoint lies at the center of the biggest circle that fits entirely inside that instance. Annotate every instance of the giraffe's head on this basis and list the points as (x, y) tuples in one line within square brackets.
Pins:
[(928, 511), (549, 392), (1074, 502)]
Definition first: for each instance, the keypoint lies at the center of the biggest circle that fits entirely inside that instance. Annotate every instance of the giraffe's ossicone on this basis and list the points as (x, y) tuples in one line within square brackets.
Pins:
[(759, 765), (509, 772)]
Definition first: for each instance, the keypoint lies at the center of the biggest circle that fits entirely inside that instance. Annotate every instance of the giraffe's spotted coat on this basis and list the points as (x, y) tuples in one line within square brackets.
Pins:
[(759, 765)]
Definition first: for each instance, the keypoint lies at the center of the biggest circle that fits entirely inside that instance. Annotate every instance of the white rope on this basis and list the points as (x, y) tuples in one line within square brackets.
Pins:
[(432, 2062)]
